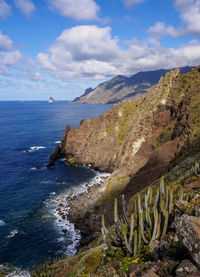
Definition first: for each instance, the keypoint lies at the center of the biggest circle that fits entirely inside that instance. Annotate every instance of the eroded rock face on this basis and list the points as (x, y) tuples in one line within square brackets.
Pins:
[(188, 232), (186, 268), (136, 141)]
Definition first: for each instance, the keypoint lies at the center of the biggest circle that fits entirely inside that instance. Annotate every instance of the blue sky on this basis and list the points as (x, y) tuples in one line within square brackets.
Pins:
[(61, 47)]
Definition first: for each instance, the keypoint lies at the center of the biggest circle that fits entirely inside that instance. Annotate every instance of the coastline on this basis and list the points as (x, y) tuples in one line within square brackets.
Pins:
[(74, 207)]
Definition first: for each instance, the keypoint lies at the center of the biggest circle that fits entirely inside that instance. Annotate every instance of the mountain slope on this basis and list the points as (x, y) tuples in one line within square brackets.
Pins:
[(122, 88), (136, 141)]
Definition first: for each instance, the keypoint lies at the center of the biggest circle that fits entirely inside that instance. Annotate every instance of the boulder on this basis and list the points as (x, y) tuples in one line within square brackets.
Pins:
[(186, 268), (188, 232), (133, 268), (150, 273)]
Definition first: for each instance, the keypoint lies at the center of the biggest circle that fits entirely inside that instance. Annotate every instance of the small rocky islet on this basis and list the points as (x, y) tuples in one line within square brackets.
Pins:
[(142, 143)]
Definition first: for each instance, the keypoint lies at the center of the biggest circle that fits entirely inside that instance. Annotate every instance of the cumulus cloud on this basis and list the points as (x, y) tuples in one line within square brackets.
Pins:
[(9, 60), (25, 6), (9, 56), (131, 3), (90, 52), (190, 15), (5, 9), (81, 50), (160, 29), (5, 42), (189, 12), (76, 9)]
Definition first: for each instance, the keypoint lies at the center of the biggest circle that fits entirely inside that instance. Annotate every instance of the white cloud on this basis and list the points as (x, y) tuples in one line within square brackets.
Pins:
[(160, 29), (189, 12), (190, 15), (81, 51), (131, 3), (90, 52), (76, 9), (25, 6), (183, 4), (5, 9), (9, 61), (5, 42), (10, 58)]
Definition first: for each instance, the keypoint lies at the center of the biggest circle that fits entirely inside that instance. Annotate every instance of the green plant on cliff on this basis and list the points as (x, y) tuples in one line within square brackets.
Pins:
[(148, 221)]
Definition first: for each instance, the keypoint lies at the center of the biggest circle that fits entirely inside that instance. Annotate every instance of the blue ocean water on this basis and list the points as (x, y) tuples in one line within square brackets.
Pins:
[(29, 232)]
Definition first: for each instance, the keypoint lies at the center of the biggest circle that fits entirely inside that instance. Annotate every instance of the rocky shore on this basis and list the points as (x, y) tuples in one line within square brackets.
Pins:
[(80, 203)]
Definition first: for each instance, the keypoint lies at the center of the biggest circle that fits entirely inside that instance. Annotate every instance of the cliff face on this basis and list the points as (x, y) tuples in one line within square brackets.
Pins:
[(121, 88), (136, 141)]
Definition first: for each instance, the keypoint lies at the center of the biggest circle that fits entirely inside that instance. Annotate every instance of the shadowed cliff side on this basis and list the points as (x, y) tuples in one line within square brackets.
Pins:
[(136, 142)]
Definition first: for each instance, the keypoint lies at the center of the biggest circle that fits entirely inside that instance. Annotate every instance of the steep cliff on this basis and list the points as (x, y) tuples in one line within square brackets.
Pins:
[(121, 88), (136, 141)]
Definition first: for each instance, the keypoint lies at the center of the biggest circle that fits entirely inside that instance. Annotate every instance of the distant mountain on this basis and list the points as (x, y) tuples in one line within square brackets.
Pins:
[(121, 88), (87, 91)]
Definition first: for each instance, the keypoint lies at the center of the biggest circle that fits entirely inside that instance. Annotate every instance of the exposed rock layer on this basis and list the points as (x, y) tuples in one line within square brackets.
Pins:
[(188, 231)]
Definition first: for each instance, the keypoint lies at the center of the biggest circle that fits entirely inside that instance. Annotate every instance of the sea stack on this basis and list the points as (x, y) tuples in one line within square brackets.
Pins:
[(51, 100)]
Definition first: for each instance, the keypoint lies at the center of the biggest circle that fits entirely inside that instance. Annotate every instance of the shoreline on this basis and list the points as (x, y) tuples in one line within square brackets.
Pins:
[(71, 209)]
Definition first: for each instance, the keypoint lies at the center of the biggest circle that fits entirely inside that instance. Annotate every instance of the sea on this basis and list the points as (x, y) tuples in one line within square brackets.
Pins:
[(31, 231)]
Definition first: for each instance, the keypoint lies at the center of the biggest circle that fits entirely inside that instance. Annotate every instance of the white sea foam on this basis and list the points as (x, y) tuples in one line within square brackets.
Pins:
[(97, 180), (37, 147), (66, 231), (35, 168), (13, 233), (58, 206), (19, 273), (34, 148), (13, 271), (44, 182), (57, 141), (2, 223)]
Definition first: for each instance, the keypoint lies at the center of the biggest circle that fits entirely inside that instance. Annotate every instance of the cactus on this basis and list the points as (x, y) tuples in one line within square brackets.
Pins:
[(148, 222), (180, 192), (197, 168)]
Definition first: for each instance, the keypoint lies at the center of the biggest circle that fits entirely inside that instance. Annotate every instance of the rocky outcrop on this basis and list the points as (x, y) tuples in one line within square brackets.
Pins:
[(121, 88), (136, 141), (188, 232), (186, 268)]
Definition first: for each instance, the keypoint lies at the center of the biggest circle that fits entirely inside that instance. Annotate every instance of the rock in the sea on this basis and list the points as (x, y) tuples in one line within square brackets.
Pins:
[(185, 268), (51, 164), (188, 232)]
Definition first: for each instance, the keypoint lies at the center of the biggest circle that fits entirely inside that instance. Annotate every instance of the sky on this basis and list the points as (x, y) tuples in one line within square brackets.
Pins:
[(61, 47)]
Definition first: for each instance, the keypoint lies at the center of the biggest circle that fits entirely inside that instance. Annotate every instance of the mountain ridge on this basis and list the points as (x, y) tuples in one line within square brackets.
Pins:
[(121, 88)]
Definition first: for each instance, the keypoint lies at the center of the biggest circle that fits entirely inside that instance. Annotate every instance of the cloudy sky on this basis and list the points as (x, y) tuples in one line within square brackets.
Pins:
[(61, 47)]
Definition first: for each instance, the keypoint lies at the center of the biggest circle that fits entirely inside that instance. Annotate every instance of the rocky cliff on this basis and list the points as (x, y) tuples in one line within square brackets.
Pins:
[(136, 141), (121, 88)]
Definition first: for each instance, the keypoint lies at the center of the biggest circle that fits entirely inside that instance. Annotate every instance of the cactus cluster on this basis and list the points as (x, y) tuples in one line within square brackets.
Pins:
[(147, 222)]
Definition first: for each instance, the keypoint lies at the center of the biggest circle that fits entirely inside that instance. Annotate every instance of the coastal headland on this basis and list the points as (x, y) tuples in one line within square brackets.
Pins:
[(150, 146), (136, 142)]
